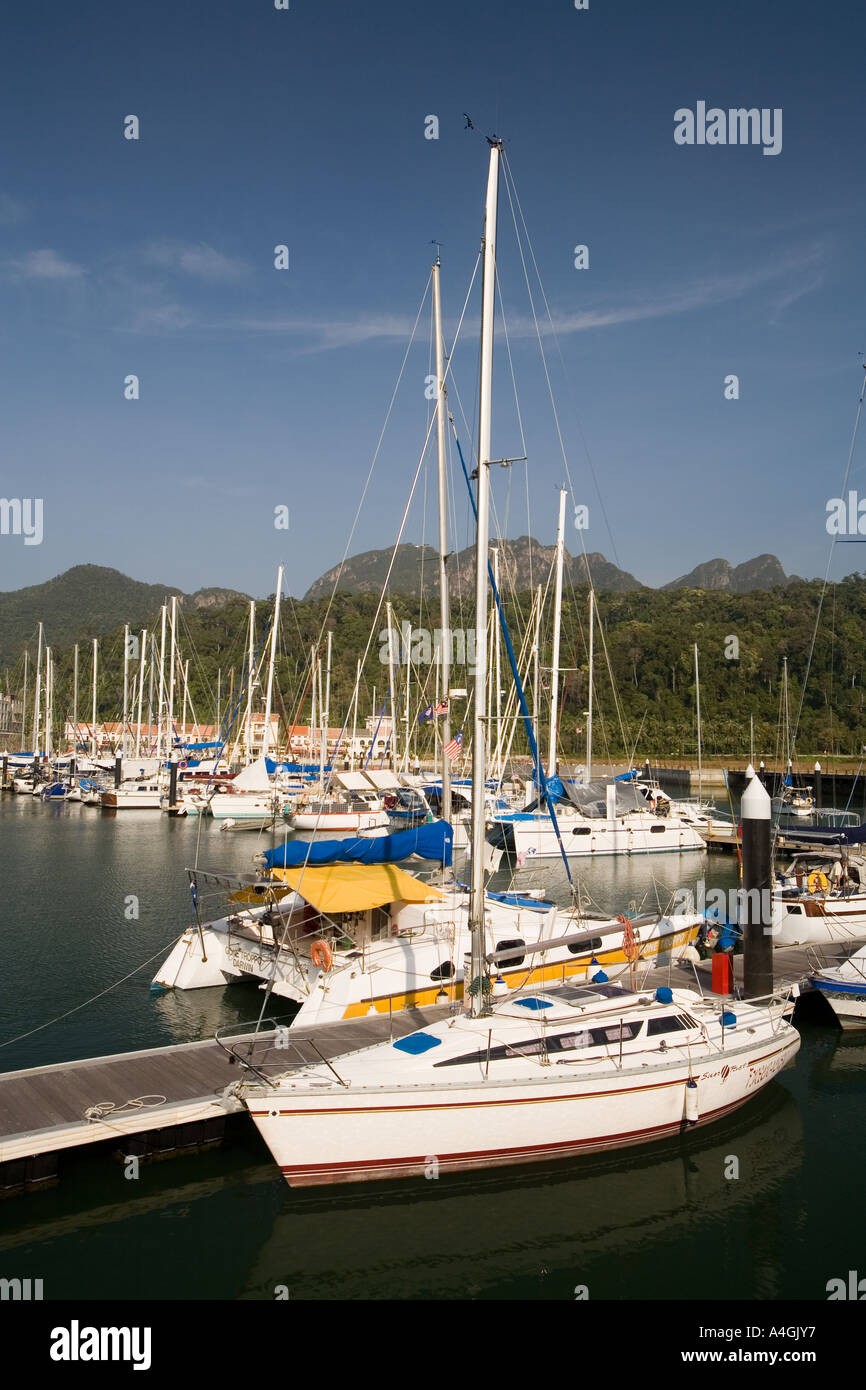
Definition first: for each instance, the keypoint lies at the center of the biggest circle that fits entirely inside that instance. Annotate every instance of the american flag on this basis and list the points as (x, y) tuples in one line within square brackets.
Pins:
[(455, 747)]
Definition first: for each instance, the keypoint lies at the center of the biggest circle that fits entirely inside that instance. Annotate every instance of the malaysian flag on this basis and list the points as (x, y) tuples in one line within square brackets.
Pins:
[(441, 707), (455, 747)]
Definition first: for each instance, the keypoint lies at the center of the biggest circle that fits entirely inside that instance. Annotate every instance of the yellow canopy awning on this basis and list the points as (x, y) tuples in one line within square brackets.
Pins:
[(355, 887)]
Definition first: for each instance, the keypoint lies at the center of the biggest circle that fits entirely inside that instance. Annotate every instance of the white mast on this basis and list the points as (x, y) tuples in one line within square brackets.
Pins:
[(93, 700), (557, 630), (24, 704), (75, 701), (479, 721), (49, 694), (140, 692), (591, 683), (172, 660), (536, 658), (698, 706), (390, 621), (355, 715), (266, 736), (161, 696), (497, 667), (125, 689), (326, 713), (185, 698), (37, 711), (250, 659), (444, 600), (313, 669)]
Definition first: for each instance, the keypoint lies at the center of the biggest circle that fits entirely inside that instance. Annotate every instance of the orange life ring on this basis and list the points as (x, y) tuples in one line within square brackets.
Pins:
[(322, 955)]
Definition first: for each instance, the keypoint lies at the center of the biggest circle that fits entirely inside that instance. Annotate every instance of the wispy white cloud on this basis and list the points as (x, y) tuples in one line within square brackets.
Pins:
[(789, 277), (199, 260), (12, 210), (44, 265)]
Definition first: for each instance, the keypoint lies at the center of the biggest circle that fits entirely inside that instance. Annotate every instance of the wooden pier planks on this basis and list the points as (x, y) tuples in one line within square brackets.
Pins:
[(42, 1109)]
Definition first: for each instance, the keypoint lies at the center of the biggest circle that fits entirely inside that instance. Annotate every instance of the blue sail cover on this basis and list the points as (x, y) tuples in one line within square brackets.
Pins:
[(434, 841)]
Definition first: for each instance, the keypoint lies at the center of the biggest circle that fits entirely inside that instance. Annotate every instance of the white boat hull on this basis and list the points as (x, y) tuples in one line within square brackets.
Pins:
[(388, 1132), (534, 837)]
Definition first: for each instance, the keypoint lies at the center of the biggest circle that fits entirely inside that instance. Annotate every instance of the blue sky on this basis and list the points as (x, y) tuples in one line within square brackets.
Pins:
[(262, 388)]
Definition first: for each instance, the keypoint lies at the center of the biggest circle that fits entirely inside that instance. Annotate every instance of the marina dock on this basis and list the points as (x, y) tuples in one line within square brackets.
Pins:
[(157, 1101), (163, 1101)]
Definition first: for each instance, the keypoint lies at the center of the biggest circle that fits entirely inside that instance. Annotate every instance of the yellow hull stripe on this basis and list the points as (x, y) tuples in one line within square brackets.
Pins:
[(519, 977)]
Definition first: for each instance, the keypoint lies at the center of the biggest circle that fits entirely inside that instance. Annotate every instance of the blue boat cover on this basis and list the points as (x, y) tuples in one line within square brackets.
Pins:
[(434, 841)]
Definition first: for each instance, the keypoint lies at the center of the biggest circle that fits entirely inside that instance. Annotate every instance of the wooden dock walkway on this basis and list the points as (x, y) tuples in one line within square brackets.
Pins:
[(43, 1110)]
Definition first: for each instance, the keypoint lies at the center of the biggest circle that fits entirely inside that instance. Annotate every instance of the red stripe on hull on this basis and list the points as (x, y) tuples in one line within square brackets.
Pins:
[(321, 1174)]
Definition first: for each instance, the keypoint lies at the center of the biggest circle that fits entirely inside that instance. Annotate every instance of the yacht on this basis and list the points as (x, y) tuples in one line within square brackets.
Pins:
[(547, 1074)]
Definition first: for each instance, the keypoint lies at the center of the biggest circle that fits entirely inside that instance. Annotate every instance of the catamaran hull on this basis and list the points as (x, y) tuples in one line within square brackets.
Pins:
[(217, 957), (394, 1132)]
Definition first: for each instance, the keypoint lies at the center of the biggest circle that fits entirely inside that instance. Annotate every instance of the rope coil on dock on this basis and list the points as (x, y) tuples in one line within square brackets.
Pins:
[(104, 1108)]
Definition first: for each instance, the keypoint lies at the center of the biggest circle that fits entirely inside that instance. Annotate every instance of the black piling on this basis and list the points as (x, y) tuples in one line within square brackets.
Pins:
[(118, 771), (756, 913), (819, 790)]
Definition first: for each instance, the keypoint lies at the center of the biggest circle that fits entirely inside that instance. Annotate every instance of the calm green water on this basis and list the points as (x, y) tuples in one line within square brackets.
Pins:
[(658, 1222)]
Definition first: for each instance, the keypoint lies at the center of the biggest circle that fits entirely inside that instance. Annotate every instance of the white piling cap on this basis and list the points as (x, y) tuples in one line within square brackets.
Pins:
[(755, 803), (817, 767), (750, 772)]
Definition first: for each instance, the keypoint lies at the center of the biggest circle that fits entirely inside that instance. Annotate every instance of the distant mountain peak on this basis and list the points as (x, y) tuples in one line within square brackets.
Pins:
[(763, 572)]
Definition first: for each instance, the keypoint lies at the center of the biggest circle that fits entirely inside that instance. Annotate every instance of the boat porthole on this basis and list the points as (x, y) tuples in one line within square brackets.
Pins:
[(274, 1114)]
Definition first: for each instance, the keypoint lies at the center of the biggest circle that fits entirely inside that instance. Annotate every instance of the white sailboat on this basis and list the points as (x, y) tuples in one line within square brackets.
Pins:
[(542, 1074)]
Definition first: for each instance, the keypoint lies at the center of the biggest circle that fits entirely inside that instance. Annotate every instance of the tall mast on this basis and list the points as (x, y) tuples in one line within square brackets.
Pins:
[(161, 697), (266, 737), (172, 661), (479, 720), (75, 701), (497, 669), (355, 715), (536, 659), (557, 631), (125, 688), (93, 700), (49, 701), (390, 621), (185, 699), (37, 710), (326, 709), (250, 659), (24, 705), (140, 692), (591, 684), (444, 597), (698, 709)]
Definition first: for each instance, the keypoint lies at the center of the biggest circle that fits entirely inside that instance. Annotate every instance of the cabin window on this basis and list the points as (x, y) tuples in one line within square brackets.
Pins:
[(616, 1032), (657, 830), (670, 1024), (516, 959), (582, 830), (445, 971), (595, 944)]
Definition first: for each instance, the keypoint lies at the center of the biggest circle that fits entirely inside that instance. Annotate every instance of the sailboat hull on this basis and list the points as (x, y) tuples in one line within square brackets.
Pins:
[(424, 1132)]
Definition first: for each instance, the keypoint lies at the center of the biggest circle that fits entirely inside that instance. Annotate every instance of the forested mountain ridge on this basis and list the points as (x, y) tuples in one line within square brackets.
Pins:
[(645, 638)]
